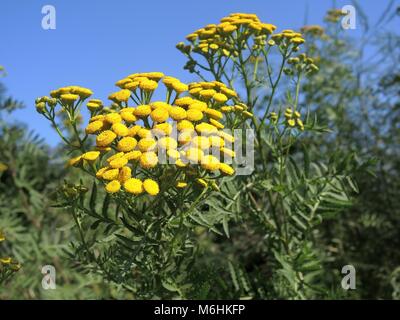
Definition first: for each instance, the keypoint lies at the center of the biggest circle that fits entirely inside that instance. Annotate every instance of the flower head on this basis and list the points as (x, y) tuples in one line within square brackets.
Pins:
[(133, 141)]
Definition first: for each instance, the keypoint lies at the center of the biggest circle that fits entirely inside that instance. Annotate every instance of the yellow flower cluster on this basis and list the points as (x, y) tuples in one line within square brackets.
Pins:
[(301, 63), (67, 97), (146, 83), (288, 37), (71, 93), (233, 34), (221, 37), (216, 94), (334, 15), (293, 119), (7, 262), (186, 131), (314, 30)]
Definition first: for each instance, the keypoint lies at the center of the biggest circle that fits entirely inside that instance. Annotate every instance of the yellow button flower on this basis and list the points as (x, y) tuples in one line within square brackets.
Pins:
[(162, 129), (229, 28), (210, 162), (194, 115), (198, 105), (134, 186), (247, 114), (75, 161), (181, 184), (41, 107), (207, 93), (192, 37), (151, 187), (91, 155), (200, 142), (128, 116), (97, 118), (194, 155), (173, 154), (160, 104), (185, 136), (148, 160), (179, 87), (228, 152), (168, 81), (93, 106), (110, 174), (147, 144), (183, 102), (134, 130), (142, 110), (120, 129), (226, 136), (84, 93), (185, 125), (202, 182), (177, 113), (113, 118), (205, 128), (94, 127), (118, 163), (220, 98), (126, 144), (97, 101), (148, 85), (195, 91), (105, 138), (144, 133), (122, 96), (113, 186), (217, 124), (226, 169), (132, 86), (180, 164), (133, 155), (167, 143), (125, 173), (214, 114), (159, 115), (216, 141), (121, 83), (297, 40), (69, 98), (228, 92), (99, 173), (115, 156), (300, 124), (155, 75)]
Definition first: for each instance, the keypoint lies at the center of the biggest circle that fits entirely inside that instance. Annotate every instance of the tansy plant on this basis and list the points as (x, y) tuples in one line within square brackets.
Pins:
[(167, 168), (158, 161), (288, 194)]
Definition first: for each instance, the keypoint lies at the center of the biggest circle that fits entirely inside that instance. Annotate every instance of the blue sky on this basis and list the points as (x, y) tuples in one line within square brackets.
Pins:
[(98, 42)]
